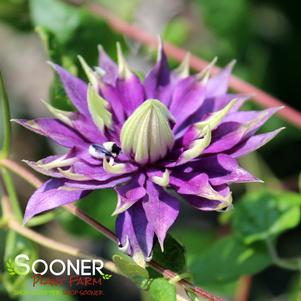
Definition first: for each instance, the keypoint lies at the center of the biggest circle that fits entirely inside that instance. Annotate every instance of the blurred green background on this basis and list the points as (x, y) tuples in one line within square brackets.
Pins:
[(265, 38)]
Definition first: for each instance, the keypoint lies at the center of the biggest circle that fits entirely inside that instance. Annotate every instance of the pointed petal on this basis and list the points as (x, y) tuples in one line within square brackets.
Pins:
[(221, 169), (109, 66), (218, 84), (189, 94), (194, 184), (79, 122), (129, 193), (50, 195), (158, 79), (48, 166), (161, 210), (253, 143), (98, 109), (201, 203), (54, 129), (133, 228), (75, 88), (237, 127), (131, 92)]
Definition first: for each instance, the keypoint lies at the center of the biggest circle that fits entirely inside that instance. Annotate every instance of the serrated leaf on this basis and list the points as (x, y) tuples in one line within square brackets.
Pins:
[(161, 290), (259, 216), (228, 259), (130, 269)]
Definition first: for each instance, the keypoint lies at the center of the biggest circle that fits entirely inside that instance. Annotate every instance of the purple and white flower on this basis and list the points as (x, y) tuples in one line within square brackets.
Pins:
[(155, 141)]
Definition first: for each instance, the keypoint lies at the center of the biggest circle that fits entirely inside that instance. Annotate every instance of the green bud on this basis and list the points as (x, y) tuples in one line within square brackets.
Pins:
[(147, 133)]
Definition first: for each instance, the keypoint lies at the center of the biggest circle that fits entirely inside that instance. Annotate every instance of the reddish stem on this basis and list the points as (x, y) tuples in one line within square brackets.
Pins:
[(288, 113), (243, 290)]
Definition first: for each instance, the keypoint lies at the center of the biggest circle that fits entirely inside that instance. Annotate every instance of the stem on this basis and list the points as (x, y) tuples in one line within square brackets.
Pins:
[(21, 172), (34, 181), (243, 289), (282, 263), (10, 190), (6, 120), (262, 98)]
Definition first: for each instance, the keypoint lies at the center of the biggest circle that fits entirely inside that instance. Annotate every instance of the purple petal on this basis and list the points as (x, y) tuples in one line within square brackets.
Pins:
[(87, 128), (195, 184), (161, 210), (109, 66), (253, 143), (94, 172), (129, 193), (221, 169), (54, 129), (221, 101), (111, 94), (39, 166), (75, 88), (94, 184), (187, 98), (237, 127), (50, 195), (157, 81), (204, 204), (132, 227), (218, 84), (131, 93)]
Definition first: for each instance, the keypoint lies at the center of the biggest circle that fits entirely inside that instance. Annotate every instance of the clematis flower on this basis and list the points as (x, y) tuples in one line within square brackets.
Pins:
[(168, 137)]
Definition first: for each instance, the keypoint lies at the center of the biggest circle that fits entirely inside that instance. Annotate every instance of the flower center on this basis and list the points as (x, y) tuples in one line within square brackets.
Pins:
[(147, 135)]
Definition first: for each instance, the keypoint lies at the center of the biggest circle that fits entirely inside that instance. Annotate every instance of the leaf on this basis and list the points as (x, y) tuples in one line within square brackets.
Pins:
[(100, 204), (172, 258), (161, 290), (55, 16), (130, 269), (227, 260), (263, 215), (194, 241)]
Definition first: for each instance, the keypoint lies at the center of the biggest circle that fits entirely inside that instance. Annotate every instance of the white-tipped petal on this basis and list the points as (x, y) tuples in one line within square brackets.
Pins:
[(183, 69), (123, 68), (98, 109), (114, 168)]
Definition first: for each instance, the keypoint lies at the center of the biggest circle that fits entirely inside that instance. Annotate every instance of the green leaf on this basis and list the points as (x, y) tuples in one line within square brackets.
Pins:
[(56, 16), (228, 259), (161, 290), (100, 204), (263, 215), (194, 241), (172, 258), (130, 269)]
